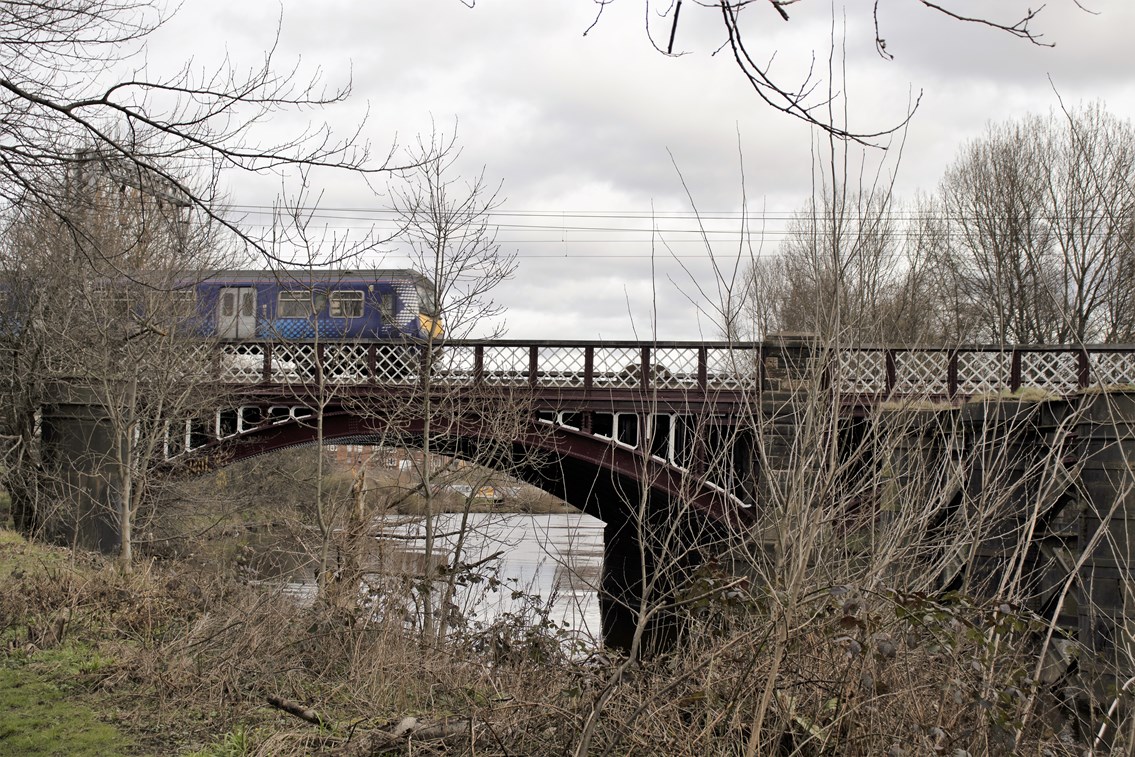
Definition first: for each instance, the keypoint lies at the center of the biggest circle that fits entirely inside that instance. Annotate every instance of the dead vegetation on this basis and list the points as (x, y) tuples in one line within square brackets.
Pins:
[(194, 658)]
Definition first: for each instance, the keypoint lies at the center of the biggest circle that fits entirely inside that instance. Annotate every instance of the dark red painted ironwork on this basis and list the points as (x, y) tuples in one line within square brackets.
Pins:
[(892, 372), (952, 376), (699, 379), (537, 442), (605, 364)]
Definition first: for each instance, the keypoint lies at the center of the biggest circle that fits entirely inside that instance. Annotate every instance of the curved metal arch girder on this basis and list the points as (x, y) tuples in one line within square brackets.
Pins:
[(580, 468)]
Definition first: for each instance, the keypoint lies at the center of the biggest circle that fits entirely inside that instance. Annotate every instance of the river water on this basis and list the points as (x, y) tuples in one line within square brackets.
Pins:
[(550, 558), (543, 558)]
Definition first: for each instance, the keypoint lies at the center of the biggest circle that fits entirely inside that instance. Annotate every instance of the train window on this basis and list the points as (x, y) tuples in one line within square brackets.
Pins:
[(427, 295), (299, 304), (346, 305), (182, 302), (228, 304), (171, 306), (386, 308)]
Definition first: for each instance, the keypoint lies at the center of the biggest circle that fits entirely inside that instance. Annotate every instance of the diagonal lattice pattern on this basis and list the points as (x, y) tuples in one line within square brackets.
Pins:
[(561, 366), (242, 363), (345, 363), (200, 362), (1052, 371), (397, 364), (1112, 368), (618, 367), (731, 369), (454, 365), (922, 373), (860, 372), (294, 363), (983, 372), (675, 367), (506, 365)]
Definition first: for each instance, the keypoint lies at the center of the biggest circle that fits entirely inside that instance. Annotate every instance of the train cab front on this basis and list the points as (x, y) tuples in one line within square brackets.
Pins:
[(429, 317), (431, 327)]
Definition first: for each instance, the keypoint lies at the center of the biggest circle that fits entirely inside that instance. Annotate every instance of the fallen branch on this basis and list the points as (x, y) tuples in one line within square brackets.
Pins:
[(301, 712), (446, 570)]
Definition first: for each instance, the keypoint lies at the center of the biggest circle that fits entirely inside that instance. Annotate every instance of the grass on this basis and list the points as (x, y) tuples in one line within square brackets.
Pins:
[(181, 655), (17, 555), (1024, 394), (40, 714), (1109, 389), (235, 743), (916, 405), (45, 705)]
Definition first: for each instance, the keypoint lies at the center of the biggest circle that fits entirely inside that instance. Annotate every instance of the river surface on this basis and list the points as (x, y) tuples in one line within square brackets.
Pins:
[(539, 558), (554, 559)]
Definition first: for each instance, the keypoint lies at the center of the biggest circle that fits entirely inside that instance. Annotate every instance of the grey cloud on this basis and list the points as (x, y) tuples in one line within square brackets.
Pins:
[(584, 123)]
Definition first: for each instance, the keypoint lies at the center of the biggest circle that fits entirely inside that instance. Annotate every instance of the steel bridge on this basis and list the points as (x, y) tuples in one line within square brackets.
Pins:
[(688, 367), (639, 396), (599, 424), (641, 411)]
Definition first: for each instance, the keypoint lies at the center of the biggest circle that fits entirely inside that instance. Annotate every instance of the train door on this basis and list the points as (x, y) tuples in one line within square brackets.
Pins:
[(236, 313)]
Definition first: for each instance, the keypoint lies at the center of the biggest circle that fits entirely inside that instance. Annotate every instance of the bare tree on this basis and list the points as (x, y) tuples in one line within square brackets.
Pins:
[(1036, 229), (104, 302), (854, 267), (64, 104), (318, 363), (77, 116), (449, 239), (808, 96)]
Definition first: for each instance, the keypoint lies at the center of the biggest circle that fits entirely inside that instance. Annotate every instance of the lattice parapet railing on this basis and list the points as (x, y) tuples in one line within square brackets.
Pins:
[(675, 368), (860, 372), (198, 363), (562, 367), (505, 365), (454, 365), (345, 364), (617, 367), (922, 373), (731, 369), (396, 364), (687, 367), (242, 363), (984, 372), (1056, 371), (294, 363), (1111, 368)]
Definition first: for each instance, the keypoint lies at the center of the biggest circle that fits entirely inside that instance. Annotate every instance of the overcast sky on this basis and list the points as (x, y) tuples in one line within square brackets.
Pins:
[(603, 147)]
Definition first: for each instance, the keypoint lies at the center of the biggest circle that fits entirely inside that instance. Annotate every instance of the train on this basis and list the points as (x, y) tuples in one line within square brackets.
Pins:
[(305, 304)]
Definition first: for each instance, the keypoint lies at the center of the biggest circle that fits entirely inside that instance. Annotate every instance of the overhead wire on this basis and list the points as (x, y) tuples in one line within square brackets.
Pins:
[(678, 229)]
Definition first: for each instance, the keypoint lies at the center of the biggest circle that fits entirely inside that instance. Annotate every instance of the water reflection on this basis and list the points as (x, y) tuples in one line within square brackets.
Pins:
[(556, 558)]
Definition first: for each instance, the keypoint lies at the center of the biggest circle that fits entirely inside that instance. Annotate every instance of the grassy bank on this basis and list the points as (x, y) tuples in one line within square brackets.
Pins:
[(49, 699), (183, 656), (176, 659)]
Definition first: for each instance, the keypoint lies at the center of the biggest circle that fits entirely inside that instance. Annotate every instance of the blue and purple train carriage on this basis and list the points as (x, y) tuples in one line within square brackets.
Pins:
[(303, 304)]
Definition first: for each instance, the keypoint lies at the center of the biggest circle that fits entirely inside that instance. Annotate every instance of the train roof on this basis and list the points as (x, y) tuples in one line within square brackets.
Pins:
[(311, 275)]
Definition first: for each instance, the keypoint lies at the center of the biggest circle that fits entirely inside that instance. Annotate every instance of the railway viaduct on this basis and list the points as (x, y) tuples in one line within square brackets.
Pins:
[(637, 433)]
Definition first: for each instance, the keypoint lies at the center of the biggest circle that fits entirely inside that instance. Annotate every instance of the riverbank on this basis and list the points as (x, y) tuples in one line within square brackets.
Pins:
[(187, 655), (455, 505), (175, 658)]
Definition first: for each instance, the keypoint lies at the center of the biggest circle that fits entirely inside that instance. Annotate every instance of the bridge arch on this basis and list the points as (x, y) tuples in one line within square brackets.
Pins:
[(618, 484), (543, 455)]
